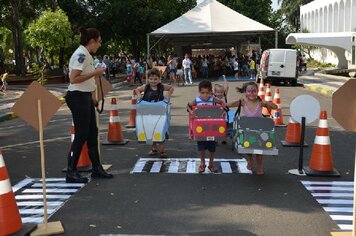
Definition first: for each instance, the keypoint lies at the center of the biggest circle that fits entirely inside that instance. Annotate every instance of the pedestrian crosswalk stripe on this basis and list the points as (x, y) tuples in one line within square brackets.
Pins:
[(29, 197), (336, 198), (188, 166)]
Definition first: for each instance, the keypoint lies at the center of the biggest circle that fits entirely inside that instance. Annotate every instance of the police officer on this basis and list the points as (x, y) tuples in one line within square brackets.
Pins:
[(80, 102)]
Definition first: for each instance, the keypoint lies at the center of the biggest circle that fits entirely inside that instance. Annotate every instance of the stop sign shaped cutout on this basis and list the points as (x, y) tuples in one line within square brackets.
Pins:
[(344, 105)]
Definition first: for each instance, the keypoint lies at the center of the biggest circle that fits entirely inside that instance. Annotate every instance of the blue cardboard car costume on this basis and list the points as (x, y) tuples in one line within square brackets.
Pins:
[(152, 121)]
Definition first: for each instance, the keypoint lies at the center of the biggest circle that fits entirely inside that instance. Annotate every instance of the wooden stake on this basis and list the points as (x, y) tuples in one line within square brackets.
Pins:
[(45, 228)]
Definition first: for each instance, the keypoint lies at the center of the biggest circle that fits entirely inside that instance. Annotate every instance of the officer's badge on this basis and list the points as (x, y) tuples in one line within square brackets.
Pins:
[(81, 57)]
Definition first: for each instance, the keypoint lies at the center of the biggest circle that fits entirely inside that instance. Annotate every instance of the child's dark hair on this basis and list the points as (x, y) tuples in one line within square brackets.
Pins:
[(87, 34), (205, 84), (153, 72)]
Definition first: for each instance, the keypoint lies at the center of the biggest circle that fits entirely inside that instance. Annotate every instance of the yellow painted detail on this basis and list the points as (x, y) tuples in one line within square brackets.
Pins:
[(268, 144), (157, 136), (199, 129), (141, 137), (221, 130), (246, 144)]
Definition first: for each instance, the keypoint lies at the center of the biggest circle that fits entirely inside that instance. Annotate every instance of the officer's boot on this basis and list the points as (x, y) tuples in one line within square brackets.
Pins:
[(72, 175), (97, 169)]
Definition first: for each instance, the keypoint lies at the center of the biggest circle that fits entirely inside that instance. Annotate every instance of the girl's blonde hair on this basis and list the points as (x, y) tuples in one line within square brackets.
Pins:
[(219, 86)]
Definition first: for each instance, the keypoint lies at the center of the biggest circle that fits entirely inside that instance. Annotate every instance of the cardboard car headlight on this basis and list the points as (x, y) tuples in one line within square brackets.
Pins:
[(208, 124), (152, 121), (254, 135)]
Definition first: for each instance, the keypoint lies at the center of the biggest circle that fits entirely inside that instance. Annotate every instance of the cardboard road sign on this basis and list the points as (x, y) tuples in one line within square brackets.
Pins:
[(344, 105), (26, 105)]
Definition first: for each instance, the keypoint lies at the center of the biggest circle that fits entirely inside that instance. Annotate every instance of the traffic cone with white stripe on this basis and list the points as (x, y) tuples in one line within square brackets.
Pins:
[(277, 113), (268, 98), (84, 163), (115, 135), (321, 161), (10, 219), (261, 90), (293, 134), (132, 120)]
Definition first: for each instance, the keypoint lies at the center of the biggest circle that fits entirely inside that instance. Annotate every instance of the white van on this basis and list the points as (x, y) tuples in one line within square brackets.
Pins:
[(278, 65)]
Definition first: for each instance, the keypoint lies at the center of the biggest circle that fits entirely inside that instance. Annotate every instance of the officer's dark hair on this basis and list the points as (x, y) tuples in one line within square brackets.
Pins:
[(205, 84), (86, 34)]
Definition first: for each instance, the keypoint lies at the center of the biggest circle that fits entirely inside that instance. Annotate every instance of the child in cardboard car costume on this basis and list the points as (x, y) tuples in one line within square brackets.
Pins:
[(253, 134), (153, 113)]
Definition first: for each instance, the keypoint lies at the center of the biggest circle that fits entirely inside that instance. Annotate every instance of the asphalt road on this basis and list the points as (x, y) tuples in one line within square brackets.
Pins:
[(181, 204)]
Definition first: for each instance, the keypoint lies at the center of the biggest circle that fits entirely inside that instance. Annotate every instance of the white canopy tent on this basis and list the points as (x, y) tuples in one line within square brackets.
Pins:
[(209, 25)]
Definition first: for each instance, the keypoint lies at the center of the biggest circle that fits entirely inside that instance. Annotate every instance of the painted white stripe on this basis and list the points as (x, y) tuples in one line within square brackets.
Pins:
[(66, 185), (347, 183), (114, 119), (156, 167), (335, 201), (113, 107), (225, 167), (139, 166), (333, 195), (39, 190), (29, 197), (37, 220), (35, 211), (329, 188), (31, 203), (54, 180), (72, 136), (5, 186), (190, 159), (322, 140), (345, 227), (2, 162), (338, 209), (173, 167), (22, 184), (342, 217), (133, 107), (242, 167), (191, 167), (323, 124)]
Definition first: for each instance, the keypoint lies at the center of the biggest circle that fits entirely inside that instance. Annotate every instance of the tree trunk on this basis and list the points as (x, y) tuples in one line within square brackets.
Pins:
[(17, 36)]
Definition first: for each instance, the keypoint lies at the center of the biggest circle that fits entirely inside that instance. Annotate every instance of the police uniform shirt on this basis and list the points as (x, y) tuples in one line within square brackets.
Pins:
[(83, 61)]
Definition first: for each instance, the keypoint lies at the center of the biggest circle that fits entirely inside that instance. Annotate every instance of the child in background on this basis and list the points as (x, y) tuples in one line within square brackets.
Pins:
[(4, 77), (205, 98), (252, 65), (154, 92), (251, 106), (220, 91)]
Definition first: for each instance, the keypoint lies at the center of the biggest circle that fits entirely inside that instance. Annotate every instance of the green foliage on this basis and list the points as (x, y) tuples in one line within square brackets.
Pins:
[(291, 12), (316, 64), (6, 44), (50, 32), (38, 72)]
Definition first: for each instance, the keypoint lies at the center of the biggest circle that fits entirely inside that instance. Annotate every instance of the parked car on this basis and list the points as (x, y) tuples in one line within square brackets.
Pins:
[(278, 65)]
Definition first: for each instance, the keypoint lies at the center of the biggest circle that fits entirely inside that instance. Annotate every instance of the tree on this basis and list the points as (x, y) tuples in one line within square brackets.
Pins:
[(50, 32), (291, 12)]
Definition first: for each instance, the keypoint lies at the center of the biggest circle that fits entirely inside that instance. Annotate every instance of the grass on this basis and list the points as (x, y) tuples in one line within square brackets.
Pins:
[(316, 64)]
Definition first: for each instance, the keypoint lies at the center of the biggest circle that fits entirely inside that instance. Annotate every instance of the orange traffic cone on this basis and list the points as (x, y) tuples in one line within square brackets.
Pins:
[(84, 163), (321, 161), (115, 135), (132, 121), (277, 113), (268, 98), (293, 134), (10, 219), (261, 90)]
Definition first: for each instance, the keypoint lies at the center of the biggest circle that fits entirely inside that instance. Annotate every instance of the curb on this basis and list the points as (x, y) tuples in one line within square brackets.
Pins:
[(331, 76), (318, 89)]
